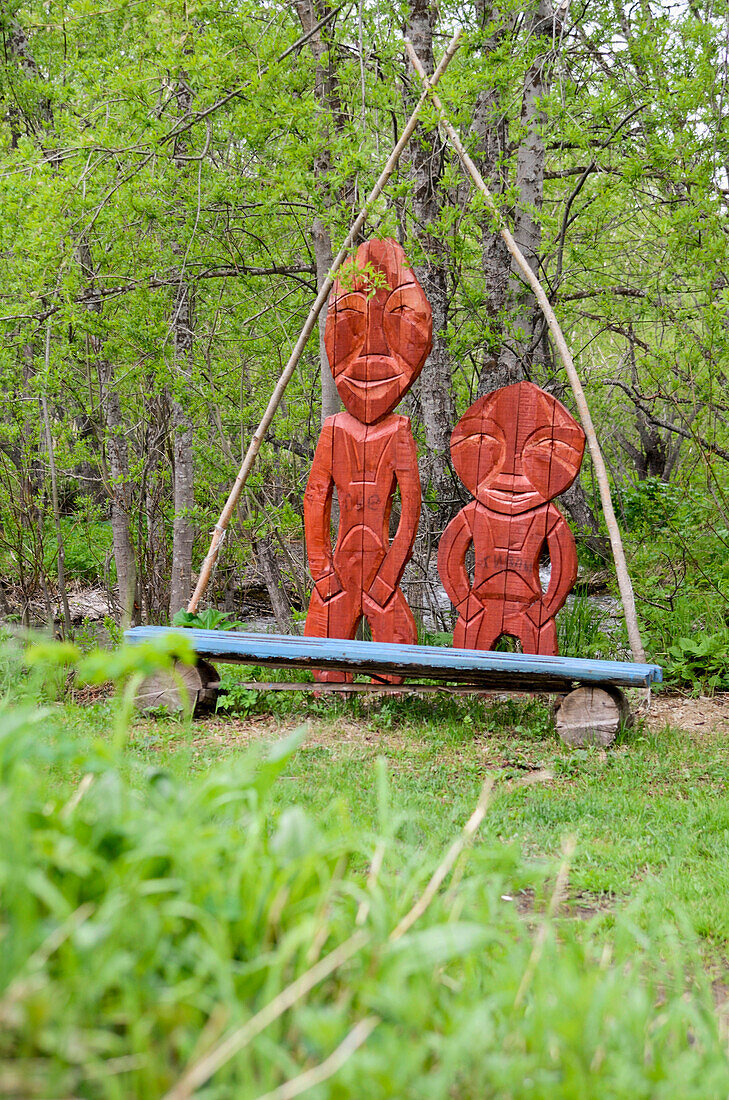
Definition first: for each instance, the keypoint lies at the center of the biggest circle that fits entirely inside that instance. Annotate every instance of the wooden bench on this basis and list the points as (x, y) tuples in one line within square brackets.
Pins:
[(593, 708)]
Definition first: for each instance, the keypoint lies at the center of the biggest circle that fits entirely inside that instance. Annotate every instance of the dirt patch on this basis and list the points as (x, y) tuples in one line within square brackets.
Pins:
[(227, 732), (90, 694), (230, 733), (696, 715), (536, 775), (578, 905)]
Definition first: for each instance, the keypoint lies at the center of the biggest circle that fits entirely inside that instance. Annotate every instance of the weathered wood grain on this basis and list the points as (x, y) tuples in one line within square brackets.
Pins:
[(504, 671), (592, 715), (193, 686), (515, 450)]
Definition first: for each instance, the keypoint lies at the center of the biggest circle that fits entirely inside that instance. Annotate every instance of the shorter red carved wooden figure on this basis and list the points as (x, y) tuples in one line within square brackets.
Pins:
[(378, 335), (515, 449)]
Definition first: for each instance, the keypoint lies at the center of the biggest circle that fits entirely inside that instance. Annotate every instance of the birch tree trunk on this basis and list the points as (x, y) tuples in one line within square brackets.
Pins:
[(120, 494), (322, 241), (61, 556), (183, 531), (271, 572), (155, 589), (512, 350), (524, 346), (490, 129)]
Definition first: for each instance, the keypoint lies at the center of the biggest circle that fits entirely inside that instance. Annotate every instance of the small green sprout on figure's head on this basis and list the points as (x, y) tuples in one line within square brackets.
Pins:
[(364, 278)]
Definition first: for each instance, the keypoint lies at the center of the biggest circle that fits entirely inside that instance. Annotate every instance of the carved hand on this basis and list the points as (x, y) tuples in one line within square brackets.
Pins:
[(469, 606), (328, 586), (380, 592)]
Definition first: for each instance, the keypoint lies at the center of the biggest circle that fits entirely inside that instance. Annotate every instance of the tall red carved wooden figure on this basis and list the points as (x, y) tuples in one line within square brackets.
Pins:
[(515, 450), (378, 335)]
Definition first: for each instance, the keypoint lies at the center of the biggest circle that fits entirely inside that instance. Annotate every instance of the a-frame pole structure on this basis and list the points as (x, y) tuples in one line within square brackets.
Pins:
[(287, 373), (616, 542)]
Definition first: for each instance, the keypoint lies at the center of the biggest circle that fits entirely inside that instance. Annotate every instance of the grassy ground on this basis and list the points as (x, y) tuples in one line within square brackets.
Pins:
[(650, 814), (163, 887)]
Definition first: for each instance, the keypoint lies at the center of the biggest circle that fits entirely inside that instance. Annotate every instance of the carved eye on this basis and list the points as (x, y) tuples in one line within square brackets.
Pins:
[(345, 329), (543, 451), (404, 321), (551, 464), (350, 303), (478, 458)]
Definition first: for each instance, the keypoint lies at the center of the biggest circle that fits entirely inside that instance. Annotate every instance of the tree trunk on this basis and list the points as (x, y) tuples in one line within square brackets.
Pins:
[(326, 90), (524, 347), (61, 550), (155, 586), (435, 391), (330, 402), (509, 360), (117, 451), (490, 129), (183, 531), (586, 523), (119, 484), (269, 567)]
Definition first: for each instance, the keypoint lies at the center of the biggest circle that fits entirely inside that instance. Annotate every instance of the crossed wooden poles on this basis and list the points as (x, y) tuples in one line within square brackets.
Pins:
[(429, 93)]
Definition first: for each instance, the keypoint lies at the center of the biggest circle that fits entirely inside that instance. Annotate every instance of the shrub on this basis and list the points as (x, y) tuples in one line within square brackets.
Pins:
[(701, 661)]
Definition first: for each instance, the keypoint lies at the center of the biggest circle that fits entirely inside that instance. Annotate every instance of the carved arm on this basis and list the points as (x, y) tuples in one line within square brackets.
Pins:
[(401, 548), (454, 543), (563, 556), (317, 516)]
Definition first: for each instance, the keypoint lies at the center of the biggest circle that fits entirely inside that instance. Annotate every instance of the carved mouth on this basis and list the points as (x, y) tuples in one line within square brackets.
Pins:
[(510, 501), (370, 384), (510, 497), (372, 368)]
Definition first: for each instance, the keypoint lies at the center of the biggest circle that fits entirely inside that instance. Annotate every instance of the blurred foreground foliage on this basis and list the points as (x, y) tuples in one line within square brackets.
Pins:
[(145, 919)]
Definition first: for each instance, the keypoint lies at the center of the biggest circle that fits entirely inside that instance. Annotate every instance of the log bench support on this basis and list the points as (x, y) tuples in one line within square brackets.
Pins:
[(592, 715), (591, 712), (163, 690)]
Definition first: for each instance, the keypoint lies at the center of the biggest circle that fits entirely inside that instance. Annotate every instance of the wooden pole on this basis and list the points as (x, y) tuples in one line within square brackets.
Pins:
[(621, 567), (255, 444)]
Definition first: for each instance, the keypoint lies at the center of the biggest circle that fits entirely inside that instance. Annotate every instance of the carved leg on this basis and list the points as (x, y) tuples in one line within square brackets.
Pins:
[(335, 618), (393, 624), (542, 640), (481, 631), (547, 639)]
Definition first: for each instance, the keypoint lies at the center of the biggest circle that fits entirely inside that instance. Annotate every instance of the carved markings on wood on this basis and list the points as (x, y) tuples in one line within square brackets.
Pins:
[(515, 450), (378, 336)]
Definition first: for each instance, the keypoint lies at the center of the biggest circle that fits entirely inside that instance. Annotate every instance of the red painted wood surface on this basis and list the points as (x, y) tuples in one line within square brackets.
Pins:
[(378, 336), (515, 450)]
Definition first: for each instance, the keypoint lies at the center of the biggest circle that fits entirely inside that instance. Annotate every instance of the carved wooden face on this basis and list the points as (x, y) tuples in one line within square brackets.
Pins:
[(377, 344), (517, 448)]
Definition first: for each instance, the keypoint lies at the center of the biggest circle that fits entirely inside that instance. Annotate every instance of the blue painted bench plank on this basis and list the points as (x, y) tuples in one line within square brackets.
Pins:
[(502, 671)]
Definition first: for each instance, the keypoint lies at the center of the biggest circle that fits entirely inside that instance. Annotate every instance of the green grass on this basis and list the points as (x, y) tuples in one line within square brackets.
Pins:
[(652, 811), (160, 886)]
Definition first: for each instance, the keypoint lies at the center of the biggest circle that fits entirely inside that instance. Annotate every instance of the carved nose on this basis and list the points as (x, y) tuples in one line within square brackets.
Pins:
[(375, 343)]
